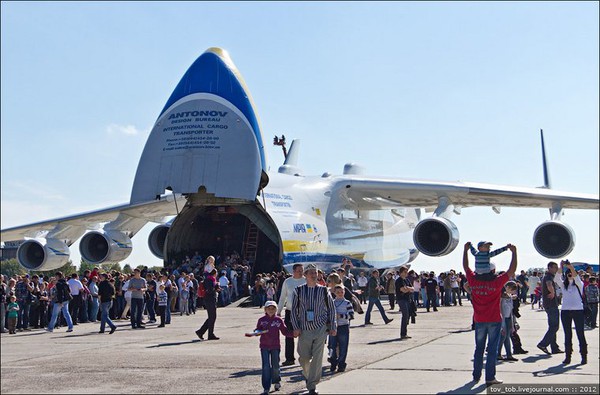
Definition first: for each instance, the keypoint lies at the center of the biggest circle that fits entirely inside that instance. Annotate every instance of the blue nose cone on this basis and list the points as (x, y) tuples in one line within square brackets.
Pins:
[(214, 72)]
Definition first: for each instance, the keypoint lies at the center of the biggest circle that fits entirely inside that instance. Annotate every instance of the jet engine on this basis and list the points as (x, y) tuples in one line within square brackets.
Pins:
[(157, 239), (435, 236), (105, 246), (554, 239), (43, 254)]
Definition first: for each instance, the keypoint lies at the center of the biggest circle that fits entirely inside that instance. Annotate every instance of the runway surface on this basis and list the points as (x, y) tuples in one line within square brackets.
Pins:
[(438, 358)]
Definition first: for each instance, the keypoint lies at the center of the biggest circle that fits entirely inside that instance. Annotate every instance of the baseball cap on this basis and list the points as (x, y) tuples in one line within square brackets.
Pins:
[(310, 266), (270, 303), (483, 242)]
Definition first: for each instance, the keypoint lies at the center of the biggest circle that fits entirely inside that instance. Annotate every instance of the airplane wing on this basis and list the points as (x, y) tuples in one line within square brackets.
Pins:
[(387, 193), (127, 218)]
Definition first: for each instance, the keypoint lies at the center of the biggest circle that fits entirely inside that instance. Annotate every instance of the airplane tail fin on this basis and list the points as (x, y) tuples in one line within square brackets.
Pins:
[(545, 164), (290, 166), (292, 156)]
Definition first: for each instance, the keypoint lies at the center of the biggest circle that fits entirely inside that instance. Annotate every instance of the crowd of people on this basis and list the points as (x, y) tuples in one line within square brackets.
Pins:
[(55, 301), (318, 306)]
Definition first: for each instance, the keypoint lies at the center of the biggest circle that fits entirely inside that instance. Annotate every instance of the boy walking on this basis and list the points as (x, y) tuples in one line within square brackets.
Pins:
[(344, 313)]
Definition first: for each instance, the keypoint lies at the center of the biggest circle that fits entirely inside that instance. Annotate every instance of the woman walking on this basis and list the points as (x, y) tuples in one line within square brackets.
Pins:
[(211, 289), (572, 310)]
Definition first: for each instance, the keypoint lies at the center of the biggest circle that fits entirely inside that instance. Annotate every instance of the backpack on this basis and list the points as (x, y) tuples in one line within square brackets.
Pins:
[(201, 290), (63, 293)]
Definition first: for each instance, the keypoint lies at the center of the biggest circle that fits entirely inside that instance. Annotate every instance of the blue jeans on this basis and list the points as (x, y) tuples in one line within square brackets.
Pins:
[(447, 296), (64, 307), (23, 318), (83, 310), (593, 315), (489, 331), (505, 338), (120, 305), (150, 307), (137, 308), (376, 302), (405, 309), (224, 297), (341, 340), (270, 368), (431, 300), (105, 319), (568, 317), (523, 294), (416, 297), (94, 308), (553, 325)]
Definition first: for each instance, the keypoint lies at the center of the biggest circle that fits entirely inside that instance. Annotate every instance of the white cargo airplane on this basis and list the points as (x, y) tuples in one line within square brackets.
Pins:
[(206, 148)]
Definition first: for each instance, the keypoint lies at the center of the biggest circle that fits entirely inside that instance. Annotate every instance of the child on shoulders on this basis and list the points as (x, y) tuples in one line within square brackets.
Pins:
[(483, 254)]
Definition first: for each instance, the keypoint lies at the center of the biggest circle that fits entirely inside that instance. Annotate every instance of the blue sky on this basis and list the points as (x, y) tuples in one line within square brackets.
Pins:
[(445, 91)]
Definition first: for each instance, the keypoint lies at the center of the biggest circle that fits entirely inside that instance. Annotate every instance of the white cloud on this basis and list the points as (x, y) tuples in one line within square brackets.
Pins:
[(129, 130)]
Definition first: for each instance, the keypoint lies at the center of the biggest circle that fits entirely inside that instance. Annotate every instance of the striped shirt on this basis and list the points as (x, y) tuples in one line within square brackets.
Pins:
[(316, 299), (344, 311), (482, 258), (162, 298)]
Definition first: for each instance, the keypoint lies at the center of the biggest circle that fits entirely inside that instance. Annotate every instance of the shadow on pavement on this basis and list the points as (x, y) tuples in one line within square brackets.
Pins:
[(469, 388), (32, 333), (554, 370), (68, 335), (396, 339), (292, 376), (175, 343), (535, 358), (243, 373), (462, 331)]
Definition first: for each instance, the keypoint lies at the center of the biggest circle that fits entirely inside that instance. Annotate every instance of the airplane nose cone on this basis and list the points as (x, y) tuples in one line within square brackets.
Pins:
[(214, 72)]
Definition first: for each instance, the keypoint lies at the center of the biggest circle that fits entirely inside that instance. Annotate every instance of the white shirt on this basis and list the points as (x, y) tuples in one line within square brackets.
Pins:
[(454, 281), (362, 281), (223, 281), (126, 287), (533, 282), (417, 285), (570, 296), (287, 293), (233, 276), (75, 286)]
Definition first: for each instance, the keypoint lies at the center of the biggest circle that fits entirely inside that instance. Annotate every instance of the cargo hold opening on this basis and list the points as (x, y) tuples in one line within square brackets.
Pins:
[(222, 230)]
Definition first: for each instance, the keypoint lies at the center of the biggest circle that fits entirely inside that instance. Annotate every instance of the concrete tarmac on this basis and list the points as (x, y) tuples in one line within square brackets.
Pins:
[(438, 358)]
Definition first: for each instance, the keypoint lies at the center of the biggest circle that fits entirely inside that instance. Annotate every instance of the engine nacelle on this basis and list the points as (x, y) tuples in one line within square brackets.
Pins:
[(554, 239), (43, 254), (157, 240), (435, 236), (105, 246)]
